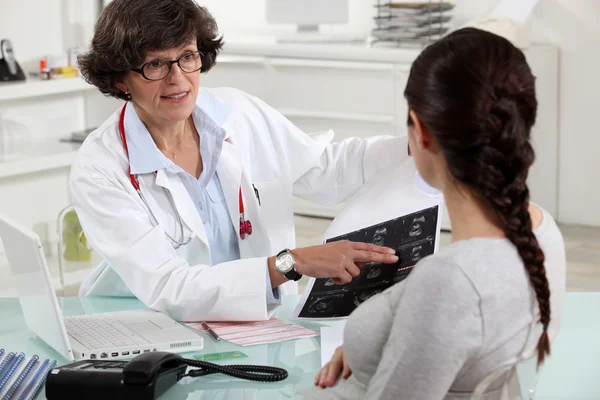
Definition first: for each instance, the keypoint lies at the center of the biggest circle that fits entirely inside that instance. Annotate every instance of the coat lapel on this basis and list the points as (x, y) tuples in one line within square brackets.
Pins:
[(183, 203), (232, 176), (229, 170)]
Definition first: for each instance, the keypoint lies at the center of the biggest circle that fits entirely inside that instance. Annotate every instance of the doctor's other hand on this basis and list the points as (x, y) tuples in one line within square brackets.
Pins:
[(330, 373), (341, 260)]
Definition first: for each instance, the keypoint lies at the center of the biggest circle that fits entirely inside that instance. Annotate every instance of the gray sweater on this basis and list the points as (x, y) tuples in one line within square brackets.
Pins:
[(461, 314)]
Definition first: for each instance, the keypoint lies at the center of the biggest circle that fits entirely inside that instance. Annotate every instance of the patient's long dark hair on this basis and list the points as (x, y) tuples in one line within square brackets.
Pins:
[(475, 93)]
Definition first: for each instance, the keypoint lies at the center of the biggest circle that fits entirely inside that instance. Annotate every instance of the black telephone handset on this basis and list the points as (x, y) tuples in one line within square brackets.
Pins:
[(148, 368), (10, 70), (146, 377)]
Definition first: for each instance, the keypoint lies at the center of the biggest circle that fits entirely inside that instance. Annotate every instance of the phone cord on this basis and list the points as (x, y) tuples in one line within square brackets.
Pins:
[(258, 373)]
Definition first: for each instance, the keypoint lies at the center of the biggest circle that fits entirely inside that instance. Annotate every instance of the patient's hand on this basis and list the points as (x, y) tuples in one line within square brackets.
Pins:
[(330, 373)]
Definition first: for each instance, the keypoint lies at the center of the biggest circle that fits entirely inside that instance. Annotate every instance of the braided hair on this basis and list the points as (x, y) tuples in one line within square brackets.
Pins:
[(474, 91)]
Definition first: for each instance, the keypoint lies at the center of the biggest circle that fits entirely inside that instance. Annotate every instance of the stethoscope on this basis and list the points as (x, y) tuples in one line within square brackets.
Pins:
[(245, 225)]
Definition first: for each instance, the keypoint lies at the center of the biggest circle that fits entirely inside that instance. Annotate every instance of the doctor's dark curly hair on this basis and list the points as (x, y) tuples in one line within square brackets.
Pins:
[(475, 93), (126, 29)]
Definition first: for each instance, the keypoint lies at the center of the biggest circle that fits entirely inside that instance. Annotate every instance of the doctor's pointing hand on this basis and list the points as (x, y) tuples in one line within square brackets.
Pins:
[(187, 193)]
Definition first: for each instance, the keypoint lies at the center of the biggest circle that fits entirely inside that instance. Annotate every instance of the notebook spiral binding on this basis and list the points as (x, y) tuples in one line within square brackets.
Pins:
[(17, 377), (14, 364), (40, 379), (8, 359), (21, 378)]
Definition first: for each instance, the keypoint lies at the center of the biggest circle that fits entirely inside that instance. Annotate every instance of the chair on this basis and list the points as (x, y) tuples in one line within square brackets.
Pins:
[(503, 374), (519, 381), (75, 257), (526, 378)]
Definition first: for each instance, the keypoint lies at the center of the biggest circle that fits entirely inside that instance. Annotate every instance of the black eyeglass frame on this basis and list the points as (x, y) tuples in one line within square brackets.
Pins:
[(171, 62)]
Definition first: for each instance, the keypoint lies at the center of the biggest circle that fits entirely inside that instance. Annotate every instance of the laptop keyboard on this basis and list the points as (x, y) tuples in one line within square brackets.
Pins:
[(100, 331)]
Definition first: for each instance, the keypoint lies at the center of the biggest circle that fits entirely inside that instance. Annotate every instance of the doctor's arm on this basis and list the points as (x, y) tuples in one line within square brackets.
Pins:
[(344, 167), (322, 171), (118, 226)]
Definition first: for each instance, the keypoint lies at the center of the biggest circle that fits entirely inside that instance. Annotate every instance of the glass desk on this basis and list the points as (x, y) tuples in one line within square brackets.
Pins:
[(571, 373), (301, 358)]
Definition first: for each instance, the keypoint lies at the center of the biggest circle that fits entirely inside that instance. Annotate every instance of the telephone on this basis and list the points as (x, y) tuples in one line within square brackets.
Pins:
[(145, 377), (10, 70)]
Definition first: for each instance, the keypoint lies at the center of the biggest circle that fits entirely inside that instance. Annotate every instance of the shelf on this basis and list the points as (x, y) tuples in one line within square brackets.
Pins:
[(261, 46), (313, 114), (41, 156), (36, 88)]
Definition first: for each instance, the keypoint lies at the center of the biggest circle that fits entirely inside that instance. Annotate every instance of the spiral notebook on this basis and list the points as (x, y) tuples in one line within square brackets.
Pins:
[(21, 378)]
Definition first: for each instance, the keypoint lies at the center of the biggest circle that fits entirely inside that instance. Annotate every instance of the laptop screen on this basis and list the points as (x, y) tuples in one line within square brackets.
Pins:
[(30, 271)]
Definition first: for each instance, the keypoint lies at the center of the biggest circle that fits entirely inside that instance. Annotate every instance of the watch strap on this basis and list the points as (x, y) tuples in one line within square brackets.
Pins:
[(292, 274)]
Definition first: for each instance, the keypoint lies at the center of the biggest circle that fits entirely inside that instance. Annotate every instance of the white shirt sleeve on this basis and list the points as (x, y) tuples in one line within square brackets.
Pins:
[(321, 171)]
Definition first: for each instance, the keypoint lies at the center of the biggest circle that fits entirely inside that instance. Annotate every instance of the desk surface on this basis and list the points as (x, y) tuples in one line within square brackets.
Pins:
[(301, 358), (570, 373)]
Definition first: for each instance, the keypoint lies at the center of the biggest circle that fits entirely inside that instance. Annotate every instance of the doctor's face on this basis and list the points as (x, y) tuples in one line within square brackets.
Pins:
[(173, 97)]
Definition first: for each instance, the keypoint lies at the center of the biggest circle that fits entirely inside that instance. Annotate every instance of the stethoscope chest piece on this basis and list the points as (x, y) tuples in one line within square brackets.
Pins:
[(245, 227)]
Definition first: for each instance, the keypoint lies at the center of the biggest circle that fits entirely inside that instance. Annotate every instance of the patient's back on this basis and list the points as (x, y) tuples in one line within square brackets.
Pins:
[(461, 314)]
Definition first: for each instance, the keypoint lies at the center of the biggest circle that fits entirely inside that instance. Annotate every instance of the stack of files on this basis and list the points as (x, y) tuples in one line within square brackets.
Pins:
[(21, 378), (420, 22)]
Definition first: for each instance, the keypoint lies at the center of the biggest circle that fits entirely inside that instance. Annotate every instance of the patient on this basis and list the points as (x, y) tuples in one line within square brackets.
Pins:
[(484, 302)]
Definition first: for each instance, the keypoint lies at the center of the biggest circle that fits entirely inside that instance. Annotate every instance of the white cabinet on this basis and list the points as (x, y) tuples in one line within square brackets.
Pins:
[(247, 73), (336, 87), (359, 92), (34, 164)]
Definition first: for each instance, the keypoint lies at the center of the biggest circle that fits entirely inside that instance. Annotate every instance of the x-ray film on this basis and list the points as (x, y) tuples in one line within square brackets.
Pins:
[(413, 236)]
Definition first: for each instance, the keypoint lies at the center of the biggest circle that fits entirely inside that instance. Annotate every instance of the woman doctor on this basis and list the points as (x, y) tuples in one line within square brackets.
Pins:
[(186, 192)]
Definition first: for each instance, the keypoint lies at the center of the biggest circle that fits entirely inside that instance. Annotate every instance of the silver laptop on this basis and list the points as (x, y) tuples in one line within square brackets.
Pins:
[(111, 335)]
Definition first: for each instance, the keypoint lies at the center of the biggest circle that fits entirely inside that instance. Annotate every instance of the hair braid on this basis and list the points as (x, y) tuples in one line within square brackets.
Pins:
[(476, 94), (499, 177), (512, 210)]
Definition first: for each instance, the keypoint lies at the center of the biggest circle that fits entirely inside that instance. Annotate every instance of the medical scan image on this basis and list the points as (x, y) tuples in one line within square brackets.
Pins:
[(328, 306), (373, 273), (361, 297), (379, 237), (413, 236), (416, 228)]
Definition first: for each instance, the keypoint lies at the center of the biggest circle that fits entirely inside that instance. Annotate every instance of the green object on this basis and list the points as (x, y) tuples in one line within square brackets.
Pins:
[(229, 355), (74, 240)]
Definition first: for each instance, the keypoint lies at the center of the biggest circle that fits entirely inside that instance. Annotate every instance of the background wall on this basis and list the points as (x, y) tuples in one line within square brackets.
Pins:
[(40, 27)]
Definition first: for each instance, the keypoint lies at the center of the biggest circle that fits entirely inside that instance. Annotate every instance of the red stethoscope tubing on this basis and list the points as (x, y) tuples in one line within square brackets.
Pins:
[(245, 225)]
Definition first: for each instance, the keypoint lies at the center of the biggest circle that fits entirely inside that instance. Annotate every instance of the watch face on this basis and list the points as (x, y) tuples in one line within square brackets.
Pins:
[(285, 263)]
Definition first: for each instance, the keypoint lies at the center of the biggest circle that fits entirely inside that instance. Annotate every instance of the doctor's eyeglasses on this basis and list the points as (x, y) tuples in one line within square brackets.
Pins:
[(159, 69)]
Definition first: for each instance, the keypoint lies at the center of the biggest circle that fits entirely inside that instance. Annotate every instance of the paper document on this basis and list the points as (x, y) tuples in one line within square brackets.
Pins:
[(258, 332), (332, 337)]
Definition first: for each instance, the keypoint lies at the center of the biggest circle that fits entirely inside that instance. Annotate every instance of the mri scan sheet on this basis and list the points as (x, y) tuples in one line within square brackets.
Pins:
[(414, 236)]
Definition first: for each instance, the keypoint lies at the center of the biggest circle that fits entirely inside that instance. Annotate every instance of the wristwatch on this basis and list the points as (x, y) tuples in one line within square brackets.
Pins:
[(286, 264)]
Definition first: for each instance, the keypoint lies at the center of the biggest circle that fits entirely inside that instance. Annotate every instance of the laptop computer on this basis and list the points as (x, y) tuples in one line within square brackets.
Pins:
[(111, 335)]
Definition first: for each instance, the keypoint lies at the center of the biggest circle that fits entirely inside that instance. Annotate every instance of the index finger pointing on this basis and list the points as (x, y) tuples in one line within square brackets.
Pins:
[(373, 248), (367, 256)]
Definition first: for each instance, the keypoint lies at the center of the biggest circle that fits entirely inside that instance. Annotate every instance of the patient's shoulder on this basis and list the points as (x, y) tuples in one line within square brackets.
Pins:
[(536, 214)]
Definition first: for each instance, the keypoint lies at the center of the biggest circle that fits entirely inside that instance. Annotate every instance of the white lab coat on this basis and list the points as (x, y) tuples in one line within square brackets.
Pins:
[(265, 150)]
